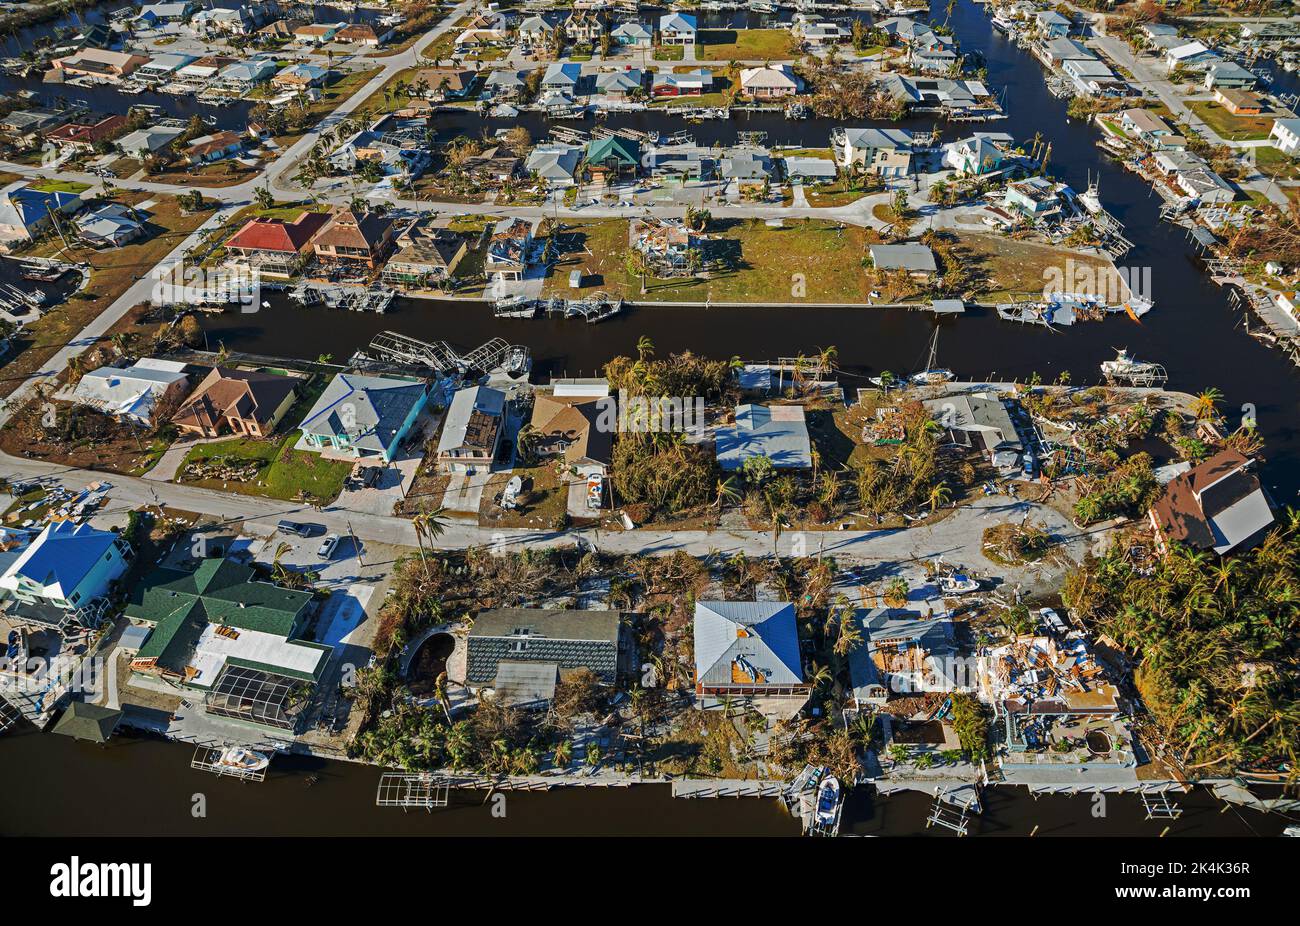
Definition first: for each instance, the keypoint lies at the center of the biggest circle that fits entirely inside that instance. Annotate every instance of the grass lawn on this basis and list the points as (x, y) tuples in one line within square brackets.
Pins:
[(764, 261), (285, 473), (61, 186), (829, 195), (1018, 267), (669, 53), (112, 272), (744, 45), (1238, 128), (703, 99), (543, 505), (1270, 161)]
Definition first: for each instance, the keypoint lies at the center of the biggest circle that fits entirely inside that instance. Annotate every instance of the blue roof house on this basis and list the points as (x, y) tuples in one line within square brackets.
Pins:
[(778, 432), (64, 569), (25, 211), (364, 417)]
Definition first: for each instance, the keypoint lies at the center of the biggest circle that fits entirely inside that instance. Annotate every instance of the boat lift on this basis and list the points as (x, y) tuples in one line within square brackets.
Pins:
[(207, 759), (1158, 806), (407, 790), (952, 808), (398, 348), (9, 715)]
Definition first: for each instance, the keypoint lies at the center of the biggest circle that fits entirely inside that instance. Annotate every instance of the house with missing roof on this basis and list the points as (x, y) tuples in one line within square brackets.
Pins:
[(902, 652), (778, 432), (747, 649), (237, 402), (509, 249), (471, 432), (519, 654), (130, 394), (65, 570), (240, 641), (1218, 505), (979, 420), (364, 417)]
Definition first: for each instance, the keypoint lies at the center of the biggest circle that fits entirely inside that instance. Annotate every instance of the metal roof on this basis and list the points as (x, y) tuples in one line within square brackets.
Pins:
[(758, 639)]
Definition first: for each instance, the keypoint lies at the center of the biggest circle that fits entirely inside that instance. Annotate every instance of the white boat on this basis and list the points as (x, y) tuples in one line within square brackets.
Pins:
[(957, 584), (237, 757), (932, 375), (1127, 369), (828, 801), (1002, 25)]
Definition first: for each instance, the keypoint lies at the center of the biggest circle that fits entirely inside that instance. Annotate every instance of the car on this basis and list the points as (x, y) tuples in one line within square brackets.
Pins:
[(296, 527), (328, 546), (371, 476)]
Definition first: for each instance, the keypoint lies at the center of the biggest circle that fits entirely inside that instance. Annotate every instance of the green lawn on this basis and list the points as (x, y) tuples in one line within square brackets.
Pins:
[(703, 99), (60, 186), (1233, 128), (744, 45), (1270, 161), (669, 53)]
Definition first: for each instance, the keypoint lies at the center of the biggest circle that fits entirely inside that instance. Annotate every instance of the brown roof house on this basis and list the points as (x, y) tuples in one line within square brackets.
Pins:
[(425, 256), (573, 428), (1218, 505), (239, 401), (350, 237)]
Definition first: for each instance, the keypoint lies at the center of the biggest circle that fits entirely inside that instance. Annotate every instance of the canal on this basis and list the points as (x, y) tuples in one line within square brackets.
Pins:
[(140, 785)]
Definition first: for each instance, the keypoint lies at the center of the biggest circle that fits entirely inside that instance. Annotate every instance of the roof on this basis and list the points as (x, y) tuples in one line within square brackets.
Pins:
[(131, 391), (85, 721), (888, 139), (746, 643), (778, 76), (1217, 505), (615, 148), (778, 432), (235, 393), (1145, 121), (886, 631), (189, 610), (520, 683), (268, 234), (566, 639), (24, 206), (572, 422), (915, 258), (59, 559), (676, 22), (809, 167), (377, 408), (347, 229), (554, 162), (978, 412), (473, 419)]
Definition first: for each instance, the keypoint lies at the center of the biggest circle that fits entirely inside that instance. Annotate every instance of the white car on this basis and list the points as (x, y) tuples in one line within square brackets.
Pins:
[(328, 546)]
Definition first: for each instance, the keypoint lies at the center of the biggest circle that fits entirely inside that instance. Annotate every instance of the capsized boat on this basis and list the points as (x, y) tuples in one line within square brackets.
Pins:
[(243, 759), (828, 800)]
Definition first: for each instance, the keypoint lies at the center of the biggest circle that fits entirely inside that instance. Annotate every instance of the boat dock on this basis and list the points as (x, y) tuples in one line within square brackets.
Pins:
[(208, 759), (352, 298), (496, 354), (413, 790)]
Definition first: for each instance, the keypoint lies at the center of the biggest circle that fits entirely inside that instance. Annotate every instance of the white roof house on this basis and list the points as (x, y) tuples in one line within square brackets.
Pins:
[(129, 393), (748, 646), (778, 432), (1286, 135), (1191, 55)]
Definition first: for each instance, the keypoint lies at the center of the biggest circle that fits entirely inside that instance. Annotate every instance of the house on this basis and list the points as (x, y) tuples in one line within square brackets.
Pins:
[(744, 168), (241, 402), (83, 137), (613, 156), (509, 249), (932, 60), (363, 34), (1058, 51), (504, 85), (110, 226), (221, 630), (1191, 56), (570, 427), (471, 433), (1092, 78), (665, 243), (810, 169), (979, 420), (584, 26), (240, 21), (1218, 505), (442, 84), (534, 31), (773, 82), (747, 649), (275, 246), (216, 147), (562, 78), (1154, 30), (131, 394), (1035, 675), (364, 417), (243, 76), (1286, 136), (1147, 126), (161, 67), (1035, 198), (274, 31), (819, 33), (300, 77), (633, 34), (901, 652), (1240, 102), (619, 85), (1205, 185), (554, 164), (982, 153), (355, 239), (688, 83), (167, 12), (99, 62), (26, 126), (904, 31), (316, 33), (25, 211), (144, 142), (778, 432), (425, 256), (677, 29), (1267, 33), (204, 69), (1052, 24), (395, 153), (1229, 75), (887, 152), (520, 653), (916, 259), (67, 568)]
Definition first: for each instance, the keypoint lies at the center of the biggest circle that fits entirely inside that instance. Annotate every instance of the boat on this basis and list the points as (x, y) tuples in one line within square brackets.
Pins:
[(1127, 369), (932, 375), (958, 584), (828, 801), (1002, 25), (245, 760)]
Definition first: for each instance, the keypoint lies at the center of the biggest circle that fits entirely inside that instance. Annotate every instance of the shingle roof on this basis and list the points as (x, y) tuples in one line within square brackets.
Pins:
[(243, 394), (267, 234), (567, 639), (378, 407)]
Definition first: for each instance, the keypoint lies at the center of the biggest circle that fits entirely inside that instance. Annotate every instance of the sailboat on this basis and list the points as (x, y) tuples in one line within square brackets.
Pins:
[(932, 375)]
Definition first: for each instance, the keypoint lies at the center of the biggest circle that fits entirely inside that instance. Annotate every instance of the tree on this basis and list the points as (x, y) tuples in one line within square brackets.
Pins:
[(264, 198), (429, 526), (1206, 405)]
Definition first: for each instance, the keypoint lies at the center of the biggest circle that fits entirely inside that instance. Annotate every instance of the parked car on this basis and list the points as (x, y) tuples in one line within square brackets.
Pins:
[(297, 527), (328, 546)]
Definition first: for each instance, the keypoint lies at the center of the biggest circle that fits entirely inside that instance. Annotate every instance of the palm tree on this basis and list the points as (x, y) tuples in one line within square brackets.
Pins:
[(644, 348), (727, 491), (264, 197), (429, 526), (939, 495), (1207, 403)]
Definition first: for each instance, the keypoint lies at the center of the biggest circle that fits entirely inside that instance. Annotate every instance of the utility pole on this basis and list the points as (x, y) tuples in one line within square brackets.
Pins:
[(356, 545)]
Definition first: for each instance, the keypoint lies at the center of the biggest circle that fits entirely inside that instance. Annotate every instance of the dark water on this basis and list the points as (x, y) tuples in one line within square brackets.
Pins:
[(1192, 331), (144, 786)]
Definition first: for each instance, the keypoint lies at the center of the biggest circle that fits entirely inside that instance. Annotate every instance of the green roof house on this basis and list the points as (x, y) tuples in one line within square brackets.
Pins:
[(220, 630), (613, 154)]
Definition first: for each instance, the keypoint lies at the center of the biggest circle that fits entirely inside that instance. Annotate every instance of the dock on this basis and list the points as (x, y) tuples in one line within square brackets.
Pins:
[(352, 298), (208, 759), (394, 347), (413, 791)]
